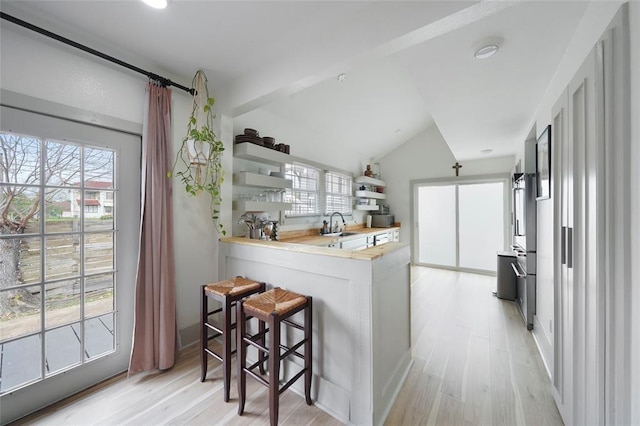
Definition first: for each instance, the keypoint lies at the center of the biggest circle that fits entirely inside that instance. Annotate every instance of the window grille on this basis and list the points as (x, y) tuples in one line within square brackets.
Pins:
[(338, 193), (304, 194)]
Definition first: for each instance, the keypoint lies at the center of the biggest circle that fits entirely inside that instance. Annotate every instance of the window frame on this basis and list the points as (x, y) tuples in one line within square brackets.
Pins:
[(330, 208), (321, 207), (289, 192)]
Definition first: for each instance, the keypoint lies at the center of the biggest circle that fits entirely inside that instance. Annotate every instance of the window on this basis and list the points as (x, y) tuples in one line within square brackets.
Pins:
[(338, 190), (92, 195), (305, 191), (69, 263)]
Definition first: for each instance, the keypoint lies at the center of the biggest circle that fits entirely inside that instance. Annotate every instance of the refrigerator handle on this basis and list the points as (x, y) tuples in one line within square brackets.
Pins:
[(570, 247), (518, 274), (563, 247)]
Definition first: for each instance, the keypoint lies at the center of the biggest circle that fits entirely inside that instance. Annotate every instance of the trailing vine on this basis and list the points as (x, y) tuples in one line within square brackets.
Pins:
[(198, 163)]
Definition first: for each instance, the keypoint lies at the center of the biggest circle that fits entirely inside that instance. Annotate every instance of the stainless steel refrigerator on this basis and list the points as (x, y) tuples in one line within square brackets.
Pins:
[(524, 244)]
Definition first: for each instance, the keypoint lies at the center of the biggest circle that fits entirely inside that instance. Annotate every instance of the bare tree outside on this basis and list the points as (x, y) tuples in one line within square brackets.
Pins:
[(38, 178)]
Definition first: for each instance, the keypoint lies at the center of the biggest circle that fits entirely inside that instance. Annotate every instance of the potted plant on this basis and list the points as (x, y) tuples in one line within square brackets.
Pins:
[(199, 159)]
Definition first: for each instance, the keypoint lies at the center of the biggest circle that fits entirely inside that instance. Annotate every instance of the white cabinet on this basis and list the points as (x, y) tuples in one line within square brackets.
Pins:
[(367, 193), (261, 182), (359, 243)]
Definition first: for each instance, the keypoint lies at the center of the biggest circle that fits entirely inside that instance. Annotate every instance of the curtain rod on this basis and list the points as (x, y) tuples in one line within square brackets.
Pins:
[(162, 80)]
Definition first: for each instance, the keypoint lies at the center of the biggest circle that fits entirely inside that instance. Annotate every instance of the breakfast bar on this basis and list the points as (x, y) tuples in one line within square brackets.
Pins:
[(361, 318)]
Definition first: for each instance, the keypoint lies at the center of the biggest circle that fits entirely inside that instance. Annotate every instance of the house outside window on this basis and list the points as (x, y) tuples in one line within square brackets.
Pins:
[(98, 195)]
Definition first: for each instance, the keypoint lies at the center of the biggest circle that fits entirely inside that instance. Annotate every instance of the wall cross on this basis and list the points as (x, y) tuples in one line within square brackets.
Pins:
[(457, 166)]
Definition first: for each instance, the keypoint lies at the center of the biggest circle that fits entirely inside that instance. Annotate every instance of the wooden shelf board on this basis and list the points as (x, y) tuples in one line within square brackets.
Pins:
[(259, 206), (253, 152), (369, 207), (371, 194), (262, 181), (366, 180)]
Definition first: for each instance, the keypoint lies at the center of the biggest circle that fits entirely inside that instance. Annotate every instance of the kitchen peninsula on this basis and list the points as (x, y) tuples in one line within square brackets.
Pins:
[(361, 317)]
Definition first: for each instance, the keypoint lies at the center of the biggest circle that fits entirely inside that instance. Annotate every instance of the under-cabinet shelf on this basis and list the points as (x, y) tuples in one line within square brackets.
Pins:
[(366, 180), (370, 207), (371, 194), (259, 206), (260, 154), (260, 181)]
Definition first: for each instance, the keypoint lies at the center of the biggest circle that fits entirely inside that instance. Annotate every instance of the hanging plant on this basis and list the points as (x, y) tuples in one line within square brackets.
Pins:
[(198, 163)]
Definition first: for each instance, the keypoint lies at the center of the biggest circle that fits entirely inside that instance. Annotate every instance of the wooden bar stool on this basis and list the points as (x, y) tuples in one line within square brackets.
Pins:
[(273, 307), (227, 292)]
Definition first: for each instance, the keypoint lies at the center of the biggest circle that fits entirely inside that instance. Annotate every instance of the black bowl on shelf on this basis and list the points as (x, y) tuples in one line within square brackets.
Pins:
[(268, 141)]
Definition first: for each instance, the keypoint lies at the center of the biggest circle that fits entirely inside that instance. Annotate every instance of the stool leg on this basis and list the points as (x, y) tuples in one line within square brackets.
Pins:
[(241, 329), (308, 355), (274, 368), (262, 341), (226, 347), (204, 308)]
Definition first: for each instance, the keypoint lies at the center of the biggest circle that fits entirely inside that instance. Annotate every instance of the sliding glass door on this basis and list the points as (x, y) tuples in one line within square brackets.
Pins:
[(437, 228), (460, 225)]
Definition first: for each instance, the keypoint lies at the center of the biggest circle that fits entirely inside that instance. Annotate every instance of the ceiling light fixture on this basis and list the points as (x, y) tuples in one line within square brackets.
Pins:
[(342, 77), (487, 48), (156, 4), (486, 51)]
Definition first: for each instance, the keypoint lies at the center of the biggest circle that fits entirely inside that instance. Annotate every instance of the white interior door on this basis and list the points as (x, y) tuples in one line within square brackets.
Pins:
[(70, 195)]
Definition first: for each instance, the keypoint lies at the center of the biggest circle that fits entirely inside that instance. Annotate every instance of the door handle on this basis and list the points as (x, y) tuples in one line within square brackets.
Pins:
[(518, 274), (569, 247), (563, 247)]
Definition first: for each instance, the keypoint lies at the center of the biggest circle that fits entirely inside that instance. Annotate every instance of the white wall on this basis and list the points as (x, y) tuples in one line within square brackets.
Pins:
[(305, 141), (425, 156), (634, 23), (47, 70)]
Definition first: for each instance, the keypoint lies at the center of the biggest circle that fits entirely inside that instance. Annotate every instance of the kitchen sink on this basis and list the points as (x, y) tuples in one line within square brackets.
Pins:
[(340, 234)]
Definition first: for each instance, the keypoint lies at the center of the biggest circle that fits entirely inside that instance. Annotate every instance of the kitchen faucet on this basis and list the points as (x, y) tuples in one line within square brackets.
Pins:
[(331, 219)]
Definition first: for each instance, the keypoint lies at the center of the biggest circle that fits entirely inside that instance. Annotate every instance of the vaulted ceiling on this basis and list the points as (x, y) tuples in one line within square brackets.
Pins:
[(407, 64)]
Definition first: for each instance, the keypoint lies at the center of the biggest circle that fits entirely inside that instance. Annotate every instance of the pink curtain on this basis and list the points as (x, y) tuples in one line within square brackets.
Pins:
[(155, 329)]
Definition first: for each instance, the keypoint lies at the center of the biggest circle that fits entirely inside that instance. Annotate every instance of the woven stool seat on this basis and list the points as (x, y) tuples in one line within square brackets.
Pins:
[(232, 287), (226, 293), (276, 301)]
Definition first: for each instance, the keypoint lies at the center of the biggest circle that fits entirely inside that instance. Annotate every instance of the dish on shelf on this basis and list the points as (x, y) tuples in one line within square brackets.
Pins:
[(268, 141), (278, 174)]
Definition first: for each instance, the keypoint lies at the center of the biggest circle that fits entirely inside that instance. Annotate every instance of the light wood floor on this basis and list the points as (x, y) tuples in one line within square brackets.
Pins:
[(474, 364)]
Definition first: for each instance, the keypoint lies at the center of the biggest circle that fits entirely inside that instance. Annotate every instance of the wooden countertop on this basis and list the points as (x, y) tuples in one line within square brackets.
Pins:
[(316, 244), (318, 240)]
